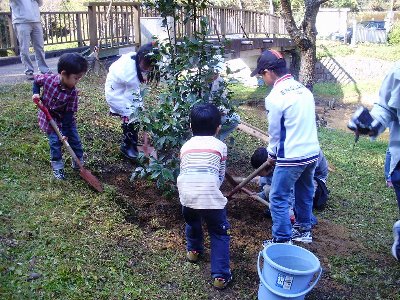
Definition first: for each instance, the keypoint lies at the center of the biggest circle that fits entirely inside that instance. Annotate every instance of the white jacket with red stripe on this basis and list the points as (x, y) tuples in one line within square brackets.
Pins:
[(291, 123)]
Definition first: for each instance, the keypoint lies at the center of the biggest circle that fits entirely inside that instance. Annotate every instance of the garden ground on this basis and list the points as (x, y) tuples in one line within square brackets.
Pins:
[(64, 241)]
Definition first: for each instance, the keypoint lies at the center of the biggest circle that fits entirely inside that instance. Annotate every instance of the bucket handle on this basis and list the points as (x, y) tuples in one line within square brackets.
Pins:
[(282, 294)]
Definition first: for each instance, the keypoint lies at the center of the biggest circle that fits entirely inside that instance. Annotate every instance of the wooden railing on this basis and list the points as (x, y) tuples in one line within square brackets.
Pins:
[(228, 21), (119, 25)]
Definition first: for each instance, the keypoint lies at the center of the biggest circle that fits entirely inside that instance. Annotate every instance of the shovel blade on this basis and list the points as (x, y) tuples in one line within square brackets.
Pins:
[(91, 179)]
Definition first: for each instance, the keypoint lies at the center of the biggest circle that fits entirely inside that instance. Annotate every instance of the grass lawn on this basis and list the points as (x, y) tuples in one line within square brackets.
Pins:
[(61, 240)]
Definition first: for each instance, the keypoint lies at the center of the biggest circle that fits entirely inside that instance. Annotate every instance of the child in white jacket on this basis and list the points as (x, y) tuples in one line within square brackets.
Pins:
[(123, 92)]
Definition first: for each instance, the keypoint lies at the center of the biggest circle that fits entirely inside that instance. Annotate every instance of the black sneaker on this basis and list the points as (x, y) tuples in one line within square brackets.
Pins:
[(396, 243), (221, 283), (301, 236), (59, 174)]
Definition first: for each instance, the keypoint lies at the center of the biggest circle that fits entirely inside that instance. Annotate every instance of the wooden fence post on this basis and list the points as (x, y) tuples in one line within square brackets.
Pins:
[(13, 35), (136, 17), (92, 26), (223, 22), (79, 30)]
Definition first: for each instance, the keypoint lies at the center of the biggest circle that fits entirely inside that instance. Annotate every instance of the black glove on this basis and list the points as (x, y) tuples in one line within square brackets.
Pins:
[(363, 123)]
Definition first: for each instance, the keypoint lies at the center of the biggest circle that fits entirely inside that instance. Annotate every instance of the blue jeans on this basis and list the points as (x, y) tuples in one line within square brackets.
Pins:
[(218, 229), (388, 157), (69, 130), (395, 177), (284, 179)]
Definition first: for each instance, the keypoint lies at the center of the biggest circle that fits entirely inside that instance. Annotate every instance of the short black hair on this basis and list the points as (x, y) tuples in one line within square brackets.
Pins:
[(205, 119), (259, 157), (72, 63), (148, 54)]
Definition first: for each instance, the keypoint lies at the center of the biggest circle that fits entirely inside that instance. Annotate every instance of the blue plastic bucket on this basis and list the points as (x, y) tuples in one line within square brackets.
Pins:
[(287, 272)]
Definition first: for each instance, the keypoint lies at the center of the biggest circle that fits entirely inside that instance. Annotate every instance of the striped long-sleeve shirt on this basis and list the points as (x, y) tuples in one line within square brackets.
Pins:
[(202, 171)]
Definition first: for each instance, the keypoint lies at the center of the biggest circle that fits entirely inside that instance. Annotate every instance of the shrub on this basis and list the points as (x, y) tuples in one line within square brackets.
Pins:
[(394, 35), (186, 68)]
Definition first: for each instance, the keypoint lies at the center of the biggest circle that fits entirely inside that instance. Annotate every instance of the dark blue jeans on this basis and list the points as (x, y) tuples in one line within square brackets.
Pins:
[(69, 130), (218, 229), (395, 177)]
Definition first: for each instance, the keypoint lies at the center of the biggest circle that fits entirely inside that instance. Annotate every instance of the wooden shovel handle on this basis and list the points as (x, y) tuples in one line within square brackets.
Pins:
[(250, 177)]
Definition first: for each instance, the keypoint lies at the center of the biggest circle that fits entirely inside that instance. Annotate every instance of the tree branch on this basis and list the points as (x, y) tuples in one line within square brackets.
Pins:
[(288, 18), (321, 2)]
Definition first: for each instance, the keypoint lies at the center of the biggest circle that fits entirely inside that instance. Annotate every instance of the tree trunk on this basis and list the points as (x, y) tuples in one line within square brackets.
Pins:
[(307, 67), (304, 37)]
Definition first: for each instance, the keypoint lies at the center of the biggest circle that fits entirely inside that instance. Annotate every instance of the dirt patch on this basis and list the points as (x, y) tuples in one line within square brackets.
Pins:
[(162, 222)]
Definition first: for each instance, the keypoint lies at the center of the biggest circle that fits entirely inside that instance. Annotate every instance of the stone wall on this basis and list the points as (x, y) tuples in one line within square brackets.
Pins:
[(350, 69)]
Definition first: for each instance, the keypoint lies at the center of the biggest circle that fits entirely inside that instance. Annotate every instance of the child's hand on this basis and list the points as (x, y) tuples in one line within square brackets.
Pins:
[(389, 184), (36, 98)]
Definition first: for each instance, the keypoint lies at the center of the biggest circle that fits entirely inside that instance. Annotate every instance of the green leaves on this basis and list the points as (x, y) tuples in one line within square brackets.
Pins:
[(187, 70)]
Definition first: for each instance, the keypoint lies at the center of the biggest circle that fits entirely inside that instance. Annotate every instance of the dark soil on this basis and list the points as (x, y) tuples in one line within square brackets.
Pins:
[(250, 226)]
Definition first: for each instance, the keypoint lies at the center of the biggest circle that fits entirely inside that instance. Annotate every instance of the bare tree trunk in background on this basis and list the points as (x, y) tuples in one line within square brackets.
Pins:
[(304, 37)]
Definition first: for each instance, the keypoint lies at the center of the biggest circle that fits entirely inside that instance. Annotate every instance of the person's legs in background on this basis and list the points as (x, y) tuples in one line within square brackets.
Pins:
[(228, 125), (24, 38), (38, 46)]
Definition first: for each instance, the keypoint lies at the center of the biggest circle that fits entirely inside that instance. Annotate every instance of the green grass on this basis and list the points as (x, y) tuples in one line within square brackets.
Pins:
[(80, 243), (343, 93), (75, 238), (379, 51), (346, 93), (60, 46)]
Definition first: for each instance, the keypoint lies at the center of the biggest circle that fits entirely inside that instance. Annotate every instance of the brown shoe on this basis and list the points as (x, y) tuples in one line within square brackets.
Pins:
[(221, 283), (192, 256)]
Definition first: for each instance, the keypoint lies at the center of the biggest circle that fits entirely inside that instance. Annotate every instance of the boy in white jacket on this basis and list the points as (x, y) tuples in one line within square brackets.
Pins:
[(293, 148)]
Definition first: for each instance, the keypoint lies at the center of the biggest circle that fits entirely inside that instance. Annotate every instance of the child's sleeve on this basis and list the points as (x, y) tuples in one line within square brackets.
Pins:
[(222, 167), (38, 81), (389, 99), (274, 127)]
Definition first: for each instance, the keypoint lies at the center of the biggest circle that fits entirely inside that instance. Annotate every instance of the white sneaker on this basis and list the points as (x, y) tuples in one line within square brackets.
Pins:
[(396, 243)]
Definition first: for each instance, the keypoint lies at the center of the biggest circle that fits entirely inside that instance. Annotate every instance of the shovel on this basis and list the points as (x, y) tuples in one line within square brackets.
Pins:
[(249, 193), (237, 188), (84, 173)]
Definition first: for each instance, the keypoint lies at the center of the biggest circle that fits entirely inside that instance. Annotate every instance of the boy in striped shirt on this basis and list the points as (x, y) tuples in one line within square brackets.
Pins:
[(202, 170)]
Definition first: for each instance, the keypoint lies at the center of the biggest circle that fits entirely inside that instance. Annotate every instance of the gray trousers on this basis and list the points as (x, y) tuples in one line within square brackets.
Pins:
[(27, 32)]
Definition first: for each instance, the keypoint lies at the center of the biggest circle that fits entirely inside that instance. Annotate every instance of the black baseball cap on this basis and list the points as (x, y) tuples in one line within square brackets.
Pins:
[(269, 60)]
